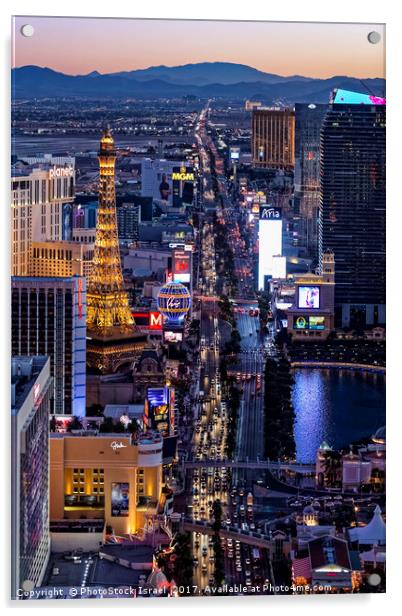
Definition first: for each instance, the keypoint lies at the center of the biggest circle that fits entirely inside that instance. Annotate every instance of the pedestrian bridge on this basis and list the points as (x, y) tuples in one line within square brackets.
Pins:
[(265, 465), (244, 536), (260, 540)]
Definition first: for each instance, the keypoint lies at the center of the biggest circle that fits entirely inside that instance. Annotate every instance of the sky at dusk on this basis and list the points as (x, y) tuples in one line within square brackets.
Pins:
[(81, 45)]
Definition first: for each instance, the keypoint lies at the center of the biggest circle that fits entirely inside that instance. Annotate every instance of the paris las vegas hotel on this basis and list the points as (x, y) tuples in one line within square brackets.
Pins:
[(115, 479)]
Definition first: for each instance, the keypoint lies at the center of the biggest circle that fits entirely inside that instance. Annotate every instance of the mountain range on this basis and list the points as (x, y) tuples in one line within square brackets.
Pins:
[(204, 80)]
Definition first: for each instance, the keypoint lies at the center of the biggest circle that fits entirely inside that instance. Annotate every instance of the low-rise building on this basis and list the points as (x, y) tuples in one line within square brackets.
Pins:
[(64, 259), (113, 477), (312, 315)]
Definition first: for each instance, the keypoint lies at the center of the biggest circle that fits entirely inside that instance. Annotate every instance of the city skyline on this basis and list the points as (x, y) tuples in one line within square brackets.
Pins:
[(198, 309), (272, 47)]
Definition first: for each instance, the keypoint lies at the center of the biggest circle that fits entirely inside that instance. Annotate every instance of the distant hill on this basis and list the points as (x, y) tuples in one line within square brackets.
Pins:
[(203, 80), (205, 73)]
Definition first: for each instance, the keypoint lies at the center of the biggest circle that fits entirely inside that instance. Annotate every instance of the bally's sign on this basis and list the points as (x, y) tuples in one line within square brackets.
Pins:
[(268, 212), (61, 172)]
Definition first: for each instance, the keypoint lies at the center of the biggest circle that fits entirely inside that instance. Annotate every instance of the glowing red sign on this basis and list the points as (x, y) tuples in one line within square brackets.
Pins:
[(155, 320), (182, 265), (150, 320)]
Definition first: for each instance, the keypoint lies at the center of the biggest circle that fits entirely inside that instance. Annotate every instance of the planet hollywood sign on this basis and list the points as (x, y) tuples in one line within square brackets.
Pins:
[(61, 172)]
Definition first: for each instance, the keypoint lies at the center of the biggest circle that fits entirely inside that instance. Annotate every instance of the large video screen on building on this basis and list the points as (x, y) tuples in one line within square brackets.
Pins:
[(270, 244), (181, 266), (316, 322), (305, 321), (300, 322), (120, 500), (169, 336), (309, 297)]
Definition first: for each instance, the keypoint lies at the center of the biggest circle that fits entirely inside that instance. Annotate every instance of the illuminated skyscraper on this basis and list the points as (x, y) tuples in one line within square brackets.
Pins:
[(352, 205), (41, 189), (309, 118), (107, 301), (109, 320), (48, 318), (273, 135)]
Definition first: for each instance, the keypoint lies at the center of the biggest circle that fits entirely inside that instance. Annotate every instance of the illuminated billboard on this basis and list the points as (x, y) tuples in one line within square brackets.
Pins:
[(309, 297), (171, 336), (278, 266), (309, 322), (346, 97), (148, 320), (159, 408), (181, 266), (120, 500), (164, 188), (316, 322), (155, 321), (270, 241), (234, 154), (300, 322)]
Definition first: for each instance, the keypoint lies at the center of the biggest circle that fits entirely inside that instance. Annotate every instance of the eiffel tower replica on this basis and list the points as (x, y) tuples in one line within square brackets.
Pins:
[(112, 337)]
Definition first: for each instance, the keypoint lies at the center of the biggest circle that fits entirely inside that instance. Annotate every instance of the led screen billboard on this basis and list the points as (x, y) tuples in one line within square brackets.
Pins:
[(270, 245), (181, 266), (309, 297), (300, 322), (316, 322), (345, 97), (169, 336), (120, 500), (278, 266), (183, 278), (234, 154), (309, 322)]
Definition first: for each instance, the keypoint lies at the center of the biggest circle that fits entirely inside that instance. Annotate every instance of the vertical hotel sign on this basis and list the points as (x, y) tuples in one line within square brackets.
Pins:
[(80, 290)]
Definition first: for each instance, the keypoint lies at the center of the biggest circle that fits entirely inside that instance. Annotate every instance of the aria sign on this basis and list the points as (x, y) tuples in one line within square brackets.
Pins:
[(267, 212)]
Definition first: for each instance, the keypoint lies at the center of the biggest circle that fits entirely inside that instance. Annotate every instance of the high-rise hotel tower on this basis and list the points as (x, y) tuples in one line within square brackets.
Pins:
[(352, 205), (273, 136)]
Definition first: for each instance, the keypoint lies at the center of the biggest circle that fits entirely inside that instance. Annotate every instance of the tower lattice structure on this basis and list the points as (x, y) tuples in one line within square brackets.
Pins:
[(107, 301)]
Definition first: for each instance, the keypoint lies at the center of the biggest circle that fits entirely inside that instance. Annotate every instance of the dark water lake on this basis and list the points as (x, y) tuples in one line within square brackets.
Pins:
[(338, 406)]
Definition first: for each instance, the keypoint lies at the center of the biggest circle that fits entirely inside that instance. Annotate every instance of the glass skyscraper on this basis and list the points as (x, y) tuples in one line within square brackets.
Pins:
[(308, 122), (352, 208), (48, 318)]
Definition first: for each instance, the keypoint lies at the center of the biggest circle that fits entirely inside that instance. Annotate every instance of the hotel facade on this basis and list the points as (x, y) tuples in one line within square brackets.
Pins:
[(49, 318), (39, 193), (273, 138), (112, 477)]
